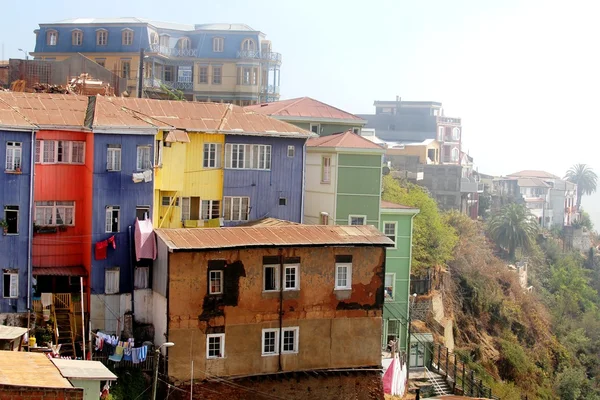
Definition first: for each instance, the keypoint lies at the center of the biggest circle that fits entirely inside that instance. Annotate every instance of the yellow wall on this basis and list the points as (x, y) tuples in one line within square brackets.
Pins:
[(415, 150), (228, 79), (205, 183)]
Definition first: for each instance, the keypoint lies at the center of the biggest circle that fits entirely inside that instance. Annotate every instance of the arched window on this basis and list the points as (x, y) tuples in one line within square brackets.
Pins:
[(184, 43), (52, 38), (248, 45), (127, 37), (164, 40), (455, 133), (77, 37), (101, 37), (455, 154)]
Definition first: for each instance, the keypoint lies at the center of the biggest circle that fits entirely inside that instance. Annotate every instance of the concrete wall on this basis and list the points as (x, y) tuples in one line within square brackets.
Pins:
[(337, 329), (143, 304), (443, 182), (319, 196), (90, 388), (108, 311)]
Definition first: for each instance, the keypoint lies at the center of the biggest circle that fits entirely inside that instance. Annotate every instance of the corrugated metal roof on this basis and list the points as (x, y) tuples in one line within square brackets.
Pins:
[(60, 271), (11, 332), (10, 118), (83, 369), (346, 140), (303, 107), (265, 236), (43, 109), (19, 368), (390, 205), (109, 114), (269, 222)]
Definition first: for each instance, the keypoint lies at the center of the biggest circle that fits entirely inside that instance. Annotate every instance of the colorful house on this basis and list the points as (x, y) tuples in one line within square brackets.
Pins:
[(311, 115), (343, 180), (16, 198)]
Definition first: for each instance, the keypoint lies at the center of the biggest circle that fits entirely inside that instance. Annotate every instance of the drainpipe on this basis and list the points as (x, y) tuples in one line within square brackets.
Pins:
[(30, 220), (303, 182), (280, 306)]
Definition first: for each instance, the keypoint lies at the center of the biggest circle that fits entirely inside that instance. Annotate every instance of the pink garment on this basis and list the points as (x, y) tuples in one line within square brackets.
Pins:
[(145, 241)]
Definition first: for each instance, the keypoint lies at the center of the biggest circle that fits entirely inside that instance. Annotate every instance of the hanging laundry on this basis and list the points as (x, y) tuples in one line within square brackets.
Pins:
[(127, 354), (145, 241), (46, 299), (111, 240), (101, 250), (118, 356)]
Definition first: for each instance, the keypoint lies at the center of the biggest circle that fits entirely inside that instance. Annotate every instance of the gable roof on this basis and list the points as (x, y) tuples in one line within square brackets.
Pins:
[(305, 108), (346, 140), (531, 182), (388, 205), (270, 236), (110, 115), (531, 173)]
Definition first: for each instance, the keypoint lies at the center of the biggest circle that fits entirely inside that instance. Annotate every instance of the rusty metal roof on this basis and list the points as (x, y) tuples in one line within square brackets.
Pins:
[(60, 271), (112, 115), (390, 205), (49, 110), (19, 368), (11, 119), (305, 108), (345, 140), (194, 116), (270, 236), (268, 221)]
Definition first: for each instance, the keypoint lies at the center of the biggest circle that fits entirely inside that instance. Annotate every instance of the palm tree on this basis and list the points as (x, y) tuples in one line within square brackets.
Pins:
[(513, 226), (585, 179)]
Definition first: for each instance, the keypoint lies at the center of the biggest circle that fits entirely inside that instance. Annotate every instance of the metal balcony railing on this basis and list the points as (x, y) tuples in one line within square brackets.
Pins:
[(173, 51), (257, 55), (156, 83), (270, 89)]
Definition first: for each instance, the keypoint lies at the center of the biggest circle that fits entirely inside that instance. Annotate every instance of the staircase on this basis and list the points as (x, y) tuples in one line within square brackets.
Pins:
[(440, 385), (64, 320)]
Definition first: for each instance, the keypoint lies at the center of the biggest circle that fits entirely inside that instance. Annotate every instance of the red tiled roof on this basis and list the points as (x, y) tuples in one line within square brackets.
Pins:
[(60, 271), (390, 205), (531, 173), (346, 140), (194, 116), (304, 107), (267, 236), (44, 110)]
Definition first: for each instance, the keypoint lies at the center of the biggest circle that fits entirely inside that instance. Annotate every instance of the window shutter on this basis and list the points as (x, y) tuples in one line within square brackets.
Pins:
[(218, 150), (228, 150), (14, 285)]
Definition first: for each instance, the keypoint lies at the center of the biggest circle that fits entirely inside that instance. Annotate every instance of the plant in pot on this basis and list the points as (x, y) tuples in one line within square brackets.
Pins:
[(4, 226)]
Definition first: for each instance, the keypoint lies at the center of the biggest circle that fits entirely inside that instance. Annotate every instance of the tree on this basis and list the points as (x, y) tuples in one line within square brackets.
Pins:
[(513, 227), (585, 179)]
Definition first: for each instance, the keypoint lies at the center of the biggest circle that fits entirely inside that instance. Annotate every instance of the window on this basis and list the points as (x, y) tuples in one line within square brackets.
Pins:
[(203, 75), (53, 213), (113, 157), (77, 38), (283, 201), (216, 75), (389, 230), (455, 154), (455, 133), (125, 69), (185, 209), (158, 153), (111, 281), (215, 279), (11, 285), (164, 40), (127, 37), (315, 128), (270, 342), (143, 160), (248, 45), (356, 130), (210, 209), (168, 73), (11, 217), (153, 38), (290, 340), (218, 44), (291, 277), (212, 155), (236, 208), (270, 278), (13, 155), (326, 170), (215, 345), (112, 219), (247, 76), (167, 200), (184, 44), (142, 212), (291, 151), (184, 74), (101, 37), (357, 220), (60, 152), (101, 62), (141, 278), (441, 133), (343, 276), (52, 38), (389, 286), (248, 156)]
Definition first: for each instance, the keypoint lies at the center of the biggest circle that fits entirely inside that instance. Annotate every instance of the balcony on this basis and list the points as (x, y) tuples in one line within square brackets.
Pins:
[(156, 83), (448, 120), (173, 51), (257, 55), (470, 185), (270, 89)]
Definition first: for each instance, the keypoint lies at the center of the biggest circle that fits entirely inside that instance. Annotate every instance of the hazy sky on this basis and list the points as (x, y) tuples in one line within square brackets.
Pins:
[(523, 75)]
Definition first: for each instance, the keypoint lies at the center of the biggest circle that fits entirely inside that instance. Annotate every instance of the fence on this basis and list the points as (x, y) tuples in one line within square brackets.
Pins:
[(461, 378)]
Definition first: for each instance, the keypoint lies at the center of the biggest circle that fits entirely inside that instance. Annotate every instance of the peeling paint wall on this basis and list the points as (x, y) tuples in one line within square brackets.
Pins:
[(337, 328)]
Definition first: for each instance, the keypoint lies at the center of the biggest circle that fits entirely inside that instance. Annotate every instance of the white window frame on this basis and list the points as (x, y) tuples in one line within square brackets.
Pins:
[(54, 207), (364, 217), (248, 44), (296, 331), (441, 131), (395, 232), (218, 44), (68, 146), (219, 273), (249, 156), (455, 133), (162, 201), (277, 278), (221, 336), (127, 37), (116, 272), (101, 37), (142, 153), (14, 152), (13, 286), (276, 351), (158, 153), (348, 285), (214, 155), (214, 75), (77, 37), (239, 217), (211, 214), (113, 158), (186, 208), (291, 151), (108, 219), (454, 154), (52, 37), (326, 170), (201, 69), (141, 278), (393, 276), (296, 268), (318, 126)]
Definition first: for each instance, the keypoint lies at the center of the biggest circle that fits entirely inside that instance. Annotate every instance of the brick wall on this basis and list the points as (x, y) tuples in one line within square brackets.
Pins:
[(35, 393), (356, 386)]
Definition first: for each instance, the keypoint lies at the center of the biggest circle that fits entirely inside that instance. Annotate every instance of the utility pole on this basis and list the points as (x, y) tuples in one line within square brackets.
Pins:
[(141, 74)]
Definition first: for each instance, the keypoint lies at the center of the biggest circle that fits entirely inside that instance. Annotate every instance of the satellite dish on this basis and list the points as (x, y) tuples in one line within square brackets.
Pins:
[(386, 170)]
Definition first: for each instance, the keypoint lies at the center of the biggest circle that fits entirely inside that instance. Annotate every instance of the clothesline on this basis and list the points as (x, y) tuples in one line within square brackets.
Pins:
[(120, 350)]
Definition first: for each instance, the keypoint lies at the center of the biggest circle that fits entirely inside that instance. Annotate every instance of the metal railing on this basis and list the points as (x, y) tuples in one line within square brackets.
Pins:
[(257, 55), (173, 51), (270, 89), (156, 83)]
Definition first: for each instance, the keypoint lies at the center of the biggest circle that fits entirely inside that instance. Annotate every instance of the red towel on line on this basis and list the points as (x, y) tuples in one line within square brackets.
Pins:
[(111, 240), (101, 250)]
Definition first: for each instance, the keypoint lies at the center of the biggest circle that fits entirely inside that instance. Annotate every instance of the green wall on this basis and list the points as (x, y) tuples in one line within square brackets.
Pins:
[(91, 388), (358, 187)]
